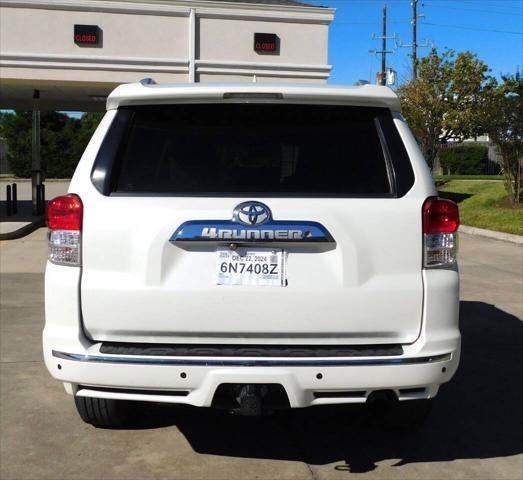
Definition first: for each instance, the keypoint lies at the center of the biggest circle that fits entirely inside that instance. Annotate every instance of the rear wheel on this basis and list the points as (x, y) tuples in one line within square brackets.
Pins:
[(104, 412)]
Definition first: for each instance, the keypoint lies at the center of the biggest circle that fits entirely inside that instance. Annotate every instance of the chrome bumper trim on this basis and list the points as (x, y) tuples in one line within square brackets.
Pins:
[(246, 362)]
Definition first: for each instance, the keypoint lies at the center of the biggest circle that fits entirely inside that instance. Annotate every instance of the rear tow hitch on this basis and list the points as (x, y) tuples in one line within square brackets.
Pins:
[(250, 400)]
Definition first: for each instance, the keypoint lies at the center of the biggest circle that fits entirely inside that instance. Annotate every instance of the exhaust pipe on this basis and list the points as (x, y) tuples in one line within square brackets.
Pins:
[(381, 404)]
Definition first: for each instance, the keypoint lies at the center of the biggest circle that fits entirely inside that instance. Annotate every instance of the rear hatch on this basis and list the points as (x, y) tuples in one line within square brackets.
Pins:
[(174, 186)]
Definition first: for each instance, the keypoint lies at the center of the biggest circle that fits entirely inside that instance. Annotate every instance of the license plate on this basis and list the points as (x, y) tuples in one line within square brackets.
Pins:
[(245, 266)]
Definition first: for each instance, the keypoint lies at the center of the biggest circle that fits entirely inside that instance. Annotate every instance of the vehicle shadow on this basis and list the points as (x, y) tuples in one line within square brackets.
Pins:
[(477, 415), (455, 197)]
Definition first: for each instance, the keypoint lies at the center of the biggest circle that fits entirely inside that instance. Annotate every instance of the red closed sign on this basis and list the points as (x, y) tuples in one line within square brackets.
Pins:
[(268, 43), (86, 34)]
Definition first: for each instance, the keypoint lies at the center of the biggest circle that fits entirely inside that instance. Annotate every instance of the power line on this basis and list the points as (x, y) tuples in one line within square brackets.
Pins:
[(481, 3), (471, 10), (477, 2), (377, 22), (366, 1), (399, 2), (472, 28)]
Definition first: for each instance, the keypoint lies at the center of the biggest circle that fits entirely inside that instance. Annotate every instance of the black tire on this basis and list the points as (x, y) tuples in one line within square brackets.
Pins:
[(103, 412), (405, 415)]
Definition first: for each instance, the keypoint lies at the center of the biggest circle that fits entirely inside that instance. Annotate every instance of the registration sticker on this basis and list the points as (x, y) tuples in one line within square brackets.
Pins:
[(246, 266)]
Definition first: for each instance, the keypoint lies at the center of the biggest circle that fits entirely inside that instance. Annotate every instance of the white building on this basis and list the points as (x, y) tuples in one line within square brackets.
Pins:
[(74, 52)]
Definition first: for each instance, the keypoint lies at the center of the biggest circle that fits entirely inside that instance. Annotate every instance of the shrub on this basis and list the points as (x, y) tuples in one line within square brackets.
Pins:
[(464, 160)]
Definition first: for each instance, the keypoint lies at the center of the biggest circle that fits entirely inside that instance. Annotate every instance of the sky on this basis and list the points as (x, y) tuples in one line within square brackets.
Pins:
[(493, 29)]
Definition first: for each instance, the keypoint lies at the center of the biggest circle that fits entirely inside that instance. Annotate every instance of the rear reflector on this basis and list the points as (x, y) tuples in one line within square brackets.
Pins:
[(440, 225), (64, 219)]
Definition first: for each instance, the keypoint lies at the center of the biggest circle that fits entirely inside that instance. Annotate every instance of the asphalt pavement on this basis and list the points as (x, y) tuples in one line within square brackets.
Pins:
[(475, 430)]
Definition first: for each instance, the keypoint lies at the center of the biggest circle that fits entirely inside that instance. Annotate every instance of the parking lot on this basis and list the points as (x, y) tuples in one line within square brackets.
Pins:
[(474, 432)]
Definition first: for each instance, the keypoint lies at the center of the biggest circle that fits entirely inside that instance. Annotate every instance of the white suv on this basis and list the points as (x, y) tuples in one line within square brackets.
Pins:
[(250, 247)]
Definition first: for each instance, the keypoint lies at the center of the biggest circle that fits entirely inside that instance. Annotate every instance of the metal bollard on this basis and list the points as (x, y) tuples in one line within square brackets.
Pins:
[(15, 199), (38, 200), (8, 200), (43, 198)]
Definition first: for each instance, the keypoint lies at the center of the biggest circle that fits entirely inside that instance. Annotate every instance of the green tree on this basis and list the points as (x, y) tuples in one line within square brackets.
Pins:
[(15, 129), (63, 140), (58, 131), (503, 121), (87, 126), (444, 103)]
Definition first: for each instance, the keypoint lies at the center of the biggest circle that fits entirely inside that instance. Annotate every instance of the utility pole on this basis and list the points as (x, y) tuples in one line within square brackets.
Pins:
[(382, 75), (384, 45), (414, 45), (414, 39)]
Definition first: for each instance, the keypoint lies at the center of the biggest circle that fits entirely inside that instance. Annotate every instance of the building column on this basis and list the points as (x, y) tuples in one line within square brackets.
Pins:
[(192, 45)]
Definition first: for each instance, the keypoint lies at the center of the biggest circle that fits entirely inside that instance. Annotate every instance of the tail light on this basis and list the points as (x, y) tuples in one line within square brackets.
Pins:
[(64, 220), (440, 237)]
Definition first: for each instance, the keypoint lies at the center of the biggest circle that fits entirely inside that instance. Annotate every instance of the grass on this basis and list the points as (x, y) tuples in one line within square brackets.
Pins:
[(480, 204), (448, 178)]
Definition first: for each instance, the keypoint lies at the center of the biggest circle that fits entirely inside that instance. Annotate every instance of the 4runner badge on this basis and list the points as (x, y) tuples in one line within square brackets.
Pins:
[(251, 222)]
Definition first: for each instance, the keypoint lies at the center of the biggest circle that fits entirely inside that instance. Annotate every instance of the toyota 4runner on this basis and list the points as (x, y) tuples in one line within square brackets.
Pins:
[(251, 246)]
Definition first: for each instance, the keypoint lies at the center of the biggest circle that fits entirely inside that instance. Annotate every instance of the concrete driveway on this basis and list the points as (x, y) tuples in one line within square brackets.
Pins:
[(474, 432)]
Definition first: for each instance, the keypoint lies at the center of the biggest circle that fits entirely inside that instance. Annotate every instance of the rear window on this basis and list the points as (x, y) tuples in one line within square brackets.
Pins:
[(239, 149)]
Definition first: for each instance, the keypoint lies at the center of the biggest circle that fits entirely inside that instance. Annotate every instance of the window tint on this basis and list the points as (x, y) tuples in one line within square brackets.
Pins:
[(234, 149)]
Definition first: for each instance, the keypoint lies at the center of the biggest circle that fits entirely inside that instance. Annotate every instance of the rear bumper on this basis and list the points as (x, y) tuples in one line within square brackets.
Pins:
[(194, 381), (417, 373)]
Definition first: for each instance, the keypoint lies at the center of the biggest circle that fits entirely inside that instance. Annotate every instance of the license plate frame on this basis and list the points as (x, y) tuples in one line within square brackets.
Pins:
[(251, 266)]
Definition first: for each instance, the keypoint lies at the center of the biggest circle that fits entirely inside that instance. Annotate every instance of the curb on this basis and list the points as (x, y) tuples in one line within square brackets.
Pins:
[(481, 232), (24, 231)]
